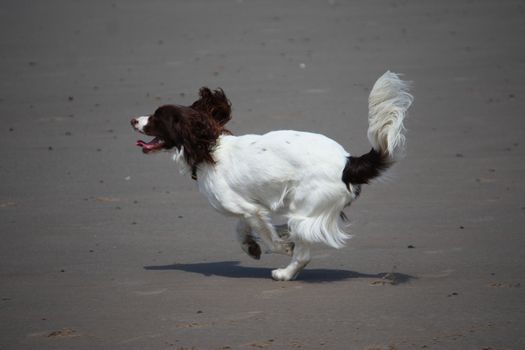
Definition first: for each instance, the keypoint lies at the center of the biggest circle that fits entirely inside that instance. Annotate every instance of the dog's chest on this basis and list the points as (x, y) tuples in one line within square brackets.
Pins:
[(217, 193)]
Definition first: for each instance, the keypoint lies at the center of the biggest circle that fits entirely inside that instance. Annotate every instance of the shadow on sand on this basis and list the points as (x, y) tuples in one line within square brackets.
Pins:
[(233, 269)]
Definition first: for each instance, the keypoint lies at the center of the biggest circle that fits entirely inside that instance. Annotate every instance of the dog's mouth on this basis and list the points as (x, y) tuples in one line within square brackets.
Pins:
[(154, 145)]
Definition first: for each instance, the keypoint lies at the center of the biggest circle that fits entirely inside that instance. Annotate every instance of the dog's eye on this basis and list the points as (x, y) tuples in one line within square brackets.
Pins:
[(150, 124), (151, 120)]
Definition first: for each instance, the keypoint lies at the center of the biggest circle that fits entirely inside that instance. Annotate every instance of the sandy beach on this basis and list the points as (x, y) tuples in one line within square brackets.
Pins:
[(103, 247)]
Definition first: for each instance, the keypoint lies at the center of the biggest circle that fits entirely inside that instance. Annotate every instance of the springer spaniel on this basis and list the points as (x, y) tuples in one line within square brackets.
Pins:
[(305, 178)]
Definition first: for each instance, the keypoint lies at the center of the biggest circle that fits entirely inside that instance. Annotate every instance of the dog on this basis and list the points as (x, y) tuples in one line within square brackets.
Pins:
[(305, 178)]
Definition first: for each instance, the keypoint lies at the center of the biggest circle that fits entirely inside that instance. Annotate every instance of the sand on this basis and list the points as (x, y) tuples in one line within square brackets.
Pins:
[(103, 247)]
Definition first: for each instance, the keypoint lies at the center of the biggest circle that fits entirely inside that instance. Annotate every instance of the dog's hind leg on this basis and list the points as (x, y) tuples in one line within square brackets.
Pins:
[(248, 243), (301, 258)]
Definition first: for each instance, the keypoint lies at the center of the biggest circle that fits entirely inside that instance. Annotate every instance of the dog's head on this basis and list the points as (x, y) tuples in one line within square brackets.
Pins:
[(193, 130)]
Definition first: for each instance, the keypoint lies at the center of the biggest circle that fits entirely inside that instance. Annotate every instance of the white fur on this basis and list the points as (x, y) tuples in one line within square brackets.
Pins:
[(387, 106), (141, 123), (296, 175), (293, 174)]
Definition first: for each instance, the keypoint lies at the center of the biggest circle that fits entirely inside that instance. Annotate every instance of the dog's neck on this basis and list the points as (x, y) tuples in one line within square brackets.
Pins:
[(184, 167)]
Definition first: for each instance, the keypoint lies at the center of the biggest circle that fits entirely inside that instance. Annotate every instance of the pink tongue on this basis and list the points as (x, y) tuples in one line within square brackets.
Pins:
[(148, 146)]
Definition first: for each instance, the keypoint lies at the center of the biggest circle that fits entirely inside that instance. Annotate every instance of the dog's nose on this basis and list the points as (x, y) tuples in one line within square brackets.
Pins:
[(134, 122)]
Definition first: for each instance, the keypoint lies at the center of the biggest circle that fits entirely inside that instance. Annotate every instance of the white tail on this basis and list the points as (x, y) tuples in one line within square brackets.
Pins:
[(387, 106)]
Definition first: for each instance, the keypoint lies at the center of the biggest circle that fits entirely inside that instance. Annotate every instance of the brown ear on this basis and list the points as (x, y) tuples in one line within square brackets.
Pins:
[(215, 103), (197, 133)]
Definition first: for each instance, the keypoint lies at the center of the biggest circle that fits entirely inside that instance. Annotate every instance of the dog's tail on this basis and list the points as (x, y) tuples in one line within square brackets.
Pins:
[(214, 103), (387, 106)]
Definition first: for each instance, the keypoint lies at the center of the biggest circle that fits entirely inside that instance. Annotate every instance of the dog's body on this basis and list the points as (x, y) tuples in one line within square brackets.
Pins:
[(305, 178)]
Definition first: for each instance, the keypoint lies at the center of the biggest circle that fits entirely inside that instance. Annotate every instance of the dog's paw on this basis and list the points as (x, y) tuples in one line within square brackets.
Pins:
[(282, 275), (252, 248)]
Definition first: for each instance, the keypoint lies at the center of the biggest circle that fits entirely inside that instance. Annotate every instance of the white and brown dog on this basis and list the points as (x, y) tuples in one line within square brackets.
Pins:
[(305, 178)]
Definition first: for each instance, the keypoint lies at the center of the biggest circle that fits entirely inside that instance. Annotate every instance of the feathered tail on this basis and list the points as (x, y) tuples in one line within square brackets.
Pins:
[(387, 106), (388, 103)]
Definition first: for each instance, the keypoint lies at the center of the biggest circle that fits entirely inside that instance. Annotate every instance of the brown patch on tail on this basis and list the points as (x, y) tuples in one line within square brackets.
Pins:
[(360, 170)]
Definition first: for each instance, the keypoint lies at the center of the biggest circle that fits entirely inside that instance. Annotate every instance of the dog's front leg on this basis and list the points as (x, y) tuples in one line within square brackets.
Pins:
[(248, 243), (269, 235)]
